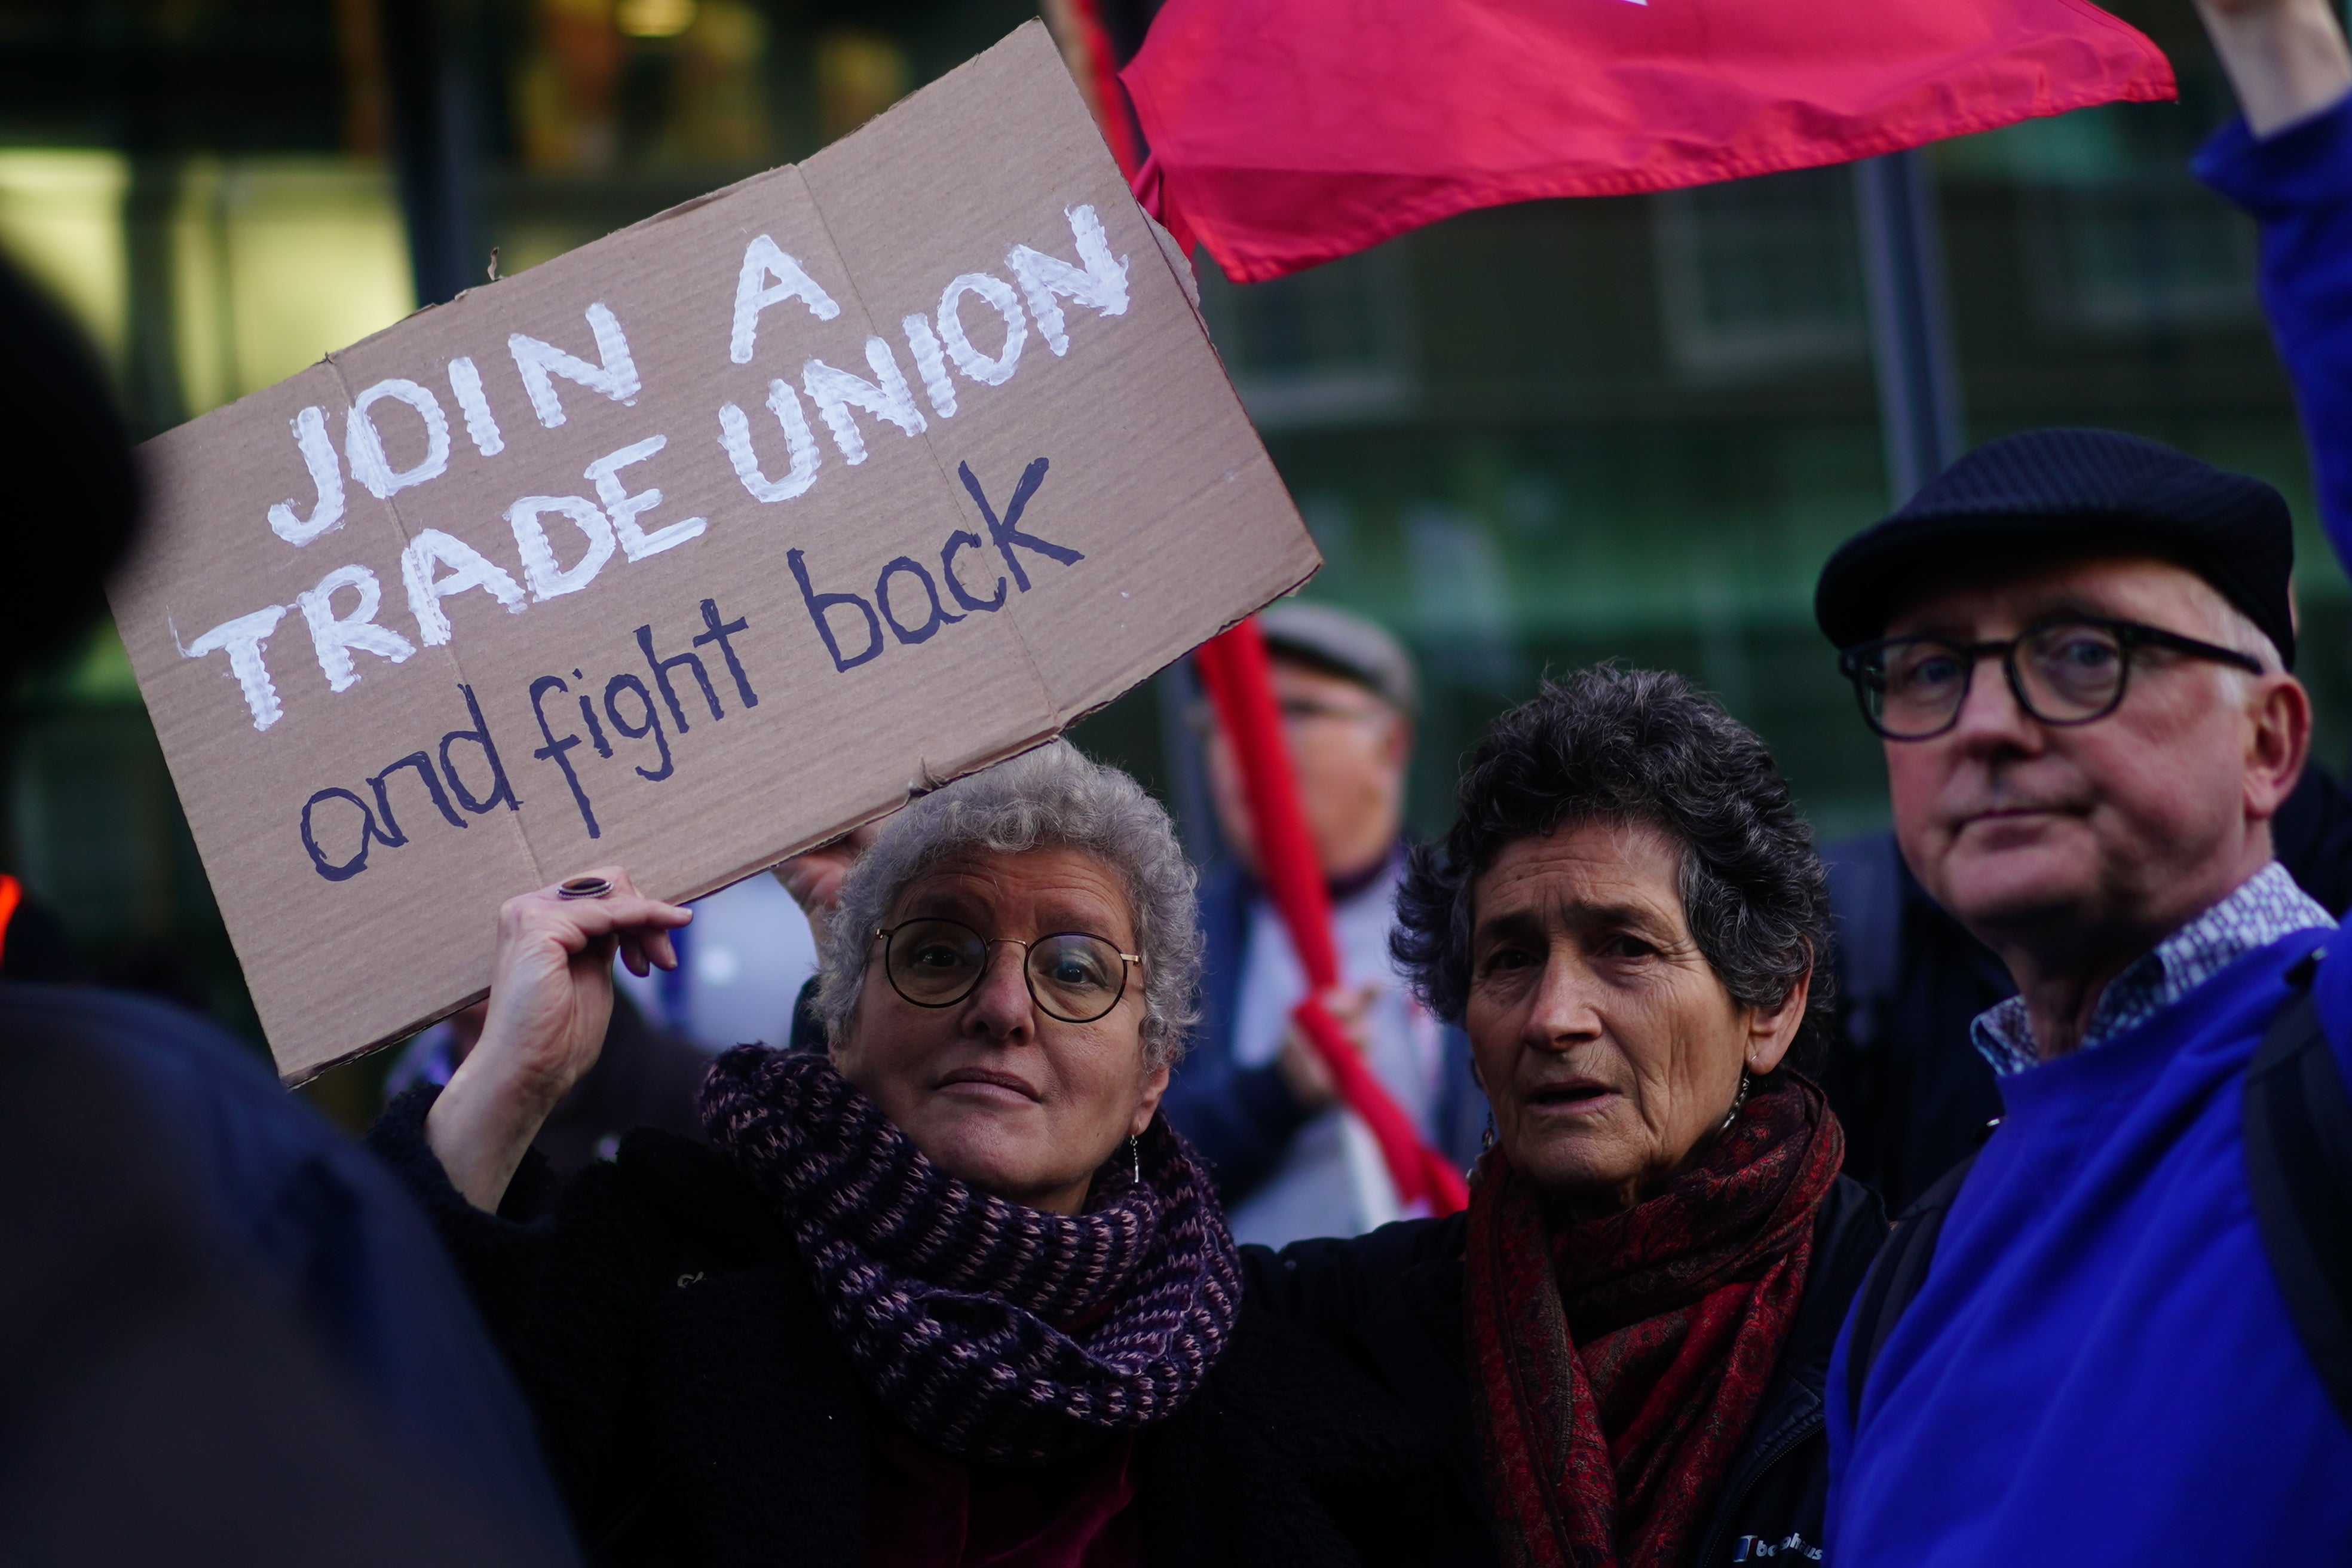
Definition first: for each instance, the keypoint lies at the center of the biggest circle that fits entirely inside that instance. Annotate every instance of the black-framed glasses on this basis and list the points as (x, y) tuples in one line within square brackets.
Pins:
[(937, 962), (2068, 669)]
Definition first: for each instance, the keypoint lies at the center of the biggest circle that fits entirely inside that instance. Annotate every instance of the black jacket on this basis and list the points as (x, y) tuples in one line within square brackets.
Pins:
[(226, 1334), (1391, 1303), (698, 1408)]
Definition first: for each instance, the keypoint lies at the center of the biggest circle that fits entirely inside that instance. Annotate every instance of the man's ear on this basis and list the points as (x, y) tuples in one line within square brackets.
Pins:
[(2278, 742), (1397, 750)]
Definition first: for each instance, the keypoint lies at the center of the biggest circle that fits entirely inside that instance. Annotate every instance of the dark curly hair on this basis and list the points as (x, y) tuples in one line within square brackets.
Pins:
[(1633, 746)]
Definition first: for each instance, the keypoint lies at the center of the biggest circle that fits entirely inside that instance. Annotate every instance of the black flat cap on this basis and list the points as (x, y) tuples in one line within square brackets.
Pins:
[(2056, 489)]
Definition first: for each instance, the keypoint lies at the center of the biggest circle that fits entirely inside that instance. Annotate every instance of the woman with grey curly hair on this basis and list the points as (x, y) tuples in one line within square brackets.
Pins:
[(946, 1290)]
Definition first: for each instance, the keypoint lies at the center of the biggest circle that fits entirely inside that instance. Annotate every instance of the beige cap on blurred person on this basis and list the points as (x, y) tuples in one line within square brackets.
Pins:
[(1344, 645)]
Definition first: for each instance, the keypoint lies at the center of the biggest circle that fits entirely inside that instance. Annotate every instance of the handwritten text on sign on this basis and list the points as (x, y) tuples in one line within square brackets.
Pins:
[(436, 565)]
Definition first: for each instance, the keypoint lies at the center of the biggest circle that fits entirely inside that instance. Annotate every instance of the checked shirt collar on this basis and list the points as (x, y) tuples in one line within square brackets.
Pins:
[(2266, 906)]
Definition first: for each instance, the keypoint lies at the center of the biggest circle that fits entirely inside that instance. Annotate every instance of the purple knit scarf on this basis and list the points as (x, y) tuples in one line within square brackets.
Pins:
[(988, 1330)]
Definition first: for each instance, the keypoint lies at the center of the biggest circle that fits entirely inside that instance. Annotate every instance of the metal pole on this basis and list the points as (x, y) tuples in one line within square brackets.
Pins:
[(1910, 319), (432, 144)]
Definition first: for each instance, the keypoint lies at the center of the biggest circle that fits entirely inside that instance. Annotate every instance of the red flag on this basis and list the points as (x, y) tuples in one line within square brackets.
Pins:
[(1285, 132)]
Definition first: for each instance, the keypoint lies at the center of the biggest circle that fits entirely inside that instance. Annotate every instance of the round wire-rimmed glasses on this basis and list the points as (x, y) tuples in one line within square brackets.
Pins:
[(1072, 975), (2065, 671)]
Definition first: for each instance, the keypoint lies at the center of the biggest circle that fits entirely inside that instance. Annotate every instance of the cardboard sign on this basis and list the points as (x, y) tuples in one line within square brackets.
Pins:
[(691, 549)]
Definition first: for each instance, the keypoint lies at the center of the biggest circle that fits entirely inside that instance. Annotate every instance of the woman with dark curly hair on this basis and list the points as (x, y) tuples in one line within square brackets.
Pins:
[(1628, 1332)]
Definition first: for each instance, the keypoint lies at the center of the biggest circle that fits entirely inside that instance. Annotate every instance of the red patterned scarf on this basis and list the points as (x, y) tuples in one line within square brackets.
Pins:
[(1621, 1361)]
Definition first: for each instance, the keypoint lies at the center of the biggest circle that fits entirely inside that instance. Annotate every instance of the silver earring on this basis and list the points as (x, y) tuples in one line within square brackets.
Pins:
[(1486, 1138), (1135, 1155), (1736, 1101)]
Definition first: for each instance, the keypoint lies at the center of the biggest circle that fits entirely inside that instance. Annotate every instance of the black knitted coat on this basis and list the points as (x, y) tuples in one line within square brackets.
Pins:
[(697, 1409)]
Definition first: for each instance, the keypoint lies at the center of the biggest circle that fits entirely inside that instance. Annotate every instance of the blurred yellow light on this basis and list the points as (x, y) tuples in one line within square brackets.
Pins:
[(858, 75), (61, 219), (654, 19), (277, 260)]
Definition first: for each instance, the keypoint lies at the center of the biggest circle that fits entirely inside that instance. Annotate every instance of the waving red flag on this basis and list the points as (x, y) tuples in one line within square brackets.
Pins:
[(1285, 132)]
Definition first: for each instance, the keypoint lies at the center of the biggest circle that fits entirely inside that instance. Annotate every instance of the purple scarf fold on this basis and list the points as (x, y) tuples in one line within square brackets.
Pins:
[(988, 1330)]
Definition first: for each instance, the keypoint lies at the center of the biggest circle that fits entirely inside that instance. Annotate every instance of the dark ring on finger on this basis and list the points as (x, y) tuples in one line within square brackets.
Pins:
[(585, 887)]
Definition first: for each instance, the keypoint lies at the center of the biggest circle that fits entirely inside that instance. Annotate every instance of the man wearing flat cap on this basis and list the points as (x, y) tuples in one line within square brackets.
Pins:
[(2123, 1333)]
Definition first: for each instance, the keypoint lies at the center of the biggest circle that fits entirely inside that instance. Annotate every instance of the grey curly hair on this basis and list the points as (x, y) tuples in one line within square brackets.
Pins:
[(1053, 797)]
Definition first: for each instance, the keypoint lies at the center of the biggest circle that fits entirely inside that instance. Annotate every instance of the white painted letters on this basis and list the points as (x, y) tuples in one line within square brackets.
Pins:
[(924, 345), (467, 383), (754, 293), (800, 445), (998, 294), (470, 569), (309, 428), (837, 391), (547, 579), (1099, 281), (334, 637), (624, 508), (243, 639), (615, 378), (1035, 293), (363, 444)]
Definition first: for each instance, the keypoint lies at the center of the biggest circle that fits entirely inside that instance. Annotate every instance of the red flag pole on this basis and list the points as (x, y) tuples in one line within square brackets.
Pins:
[(1110, 99)]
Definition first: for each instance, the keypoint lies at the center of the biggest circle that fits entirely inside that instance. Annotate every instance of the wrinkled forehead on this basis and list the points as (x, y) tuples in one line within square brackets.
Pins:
[(1582, 870), (1996, 598), (1051, 889)]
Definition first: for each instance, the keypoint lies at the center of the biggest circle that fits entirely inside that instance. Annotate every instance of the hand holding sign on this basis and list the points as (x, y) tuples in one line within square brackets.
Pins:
[(551, 999), (701, 544)]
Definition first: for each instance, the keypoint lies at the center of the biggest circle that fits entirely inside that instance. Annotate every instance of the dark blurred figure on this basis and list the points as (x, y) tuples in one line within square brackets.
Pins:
[(644, 1077), (33, 942), (1903, 1075), (225, 1335)]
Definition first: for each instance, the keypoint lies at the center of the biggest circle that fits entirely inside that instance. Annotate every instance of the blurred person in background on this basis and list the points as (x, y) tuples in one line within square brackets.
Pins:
[(226, 1334), (740, 968), (644, 1077), (1252, 1094)]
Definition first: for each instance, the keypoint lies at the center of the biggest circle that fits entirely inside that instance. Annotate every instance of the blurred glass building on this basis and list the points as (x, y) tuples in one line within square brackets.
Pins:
[(1526, 438)]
